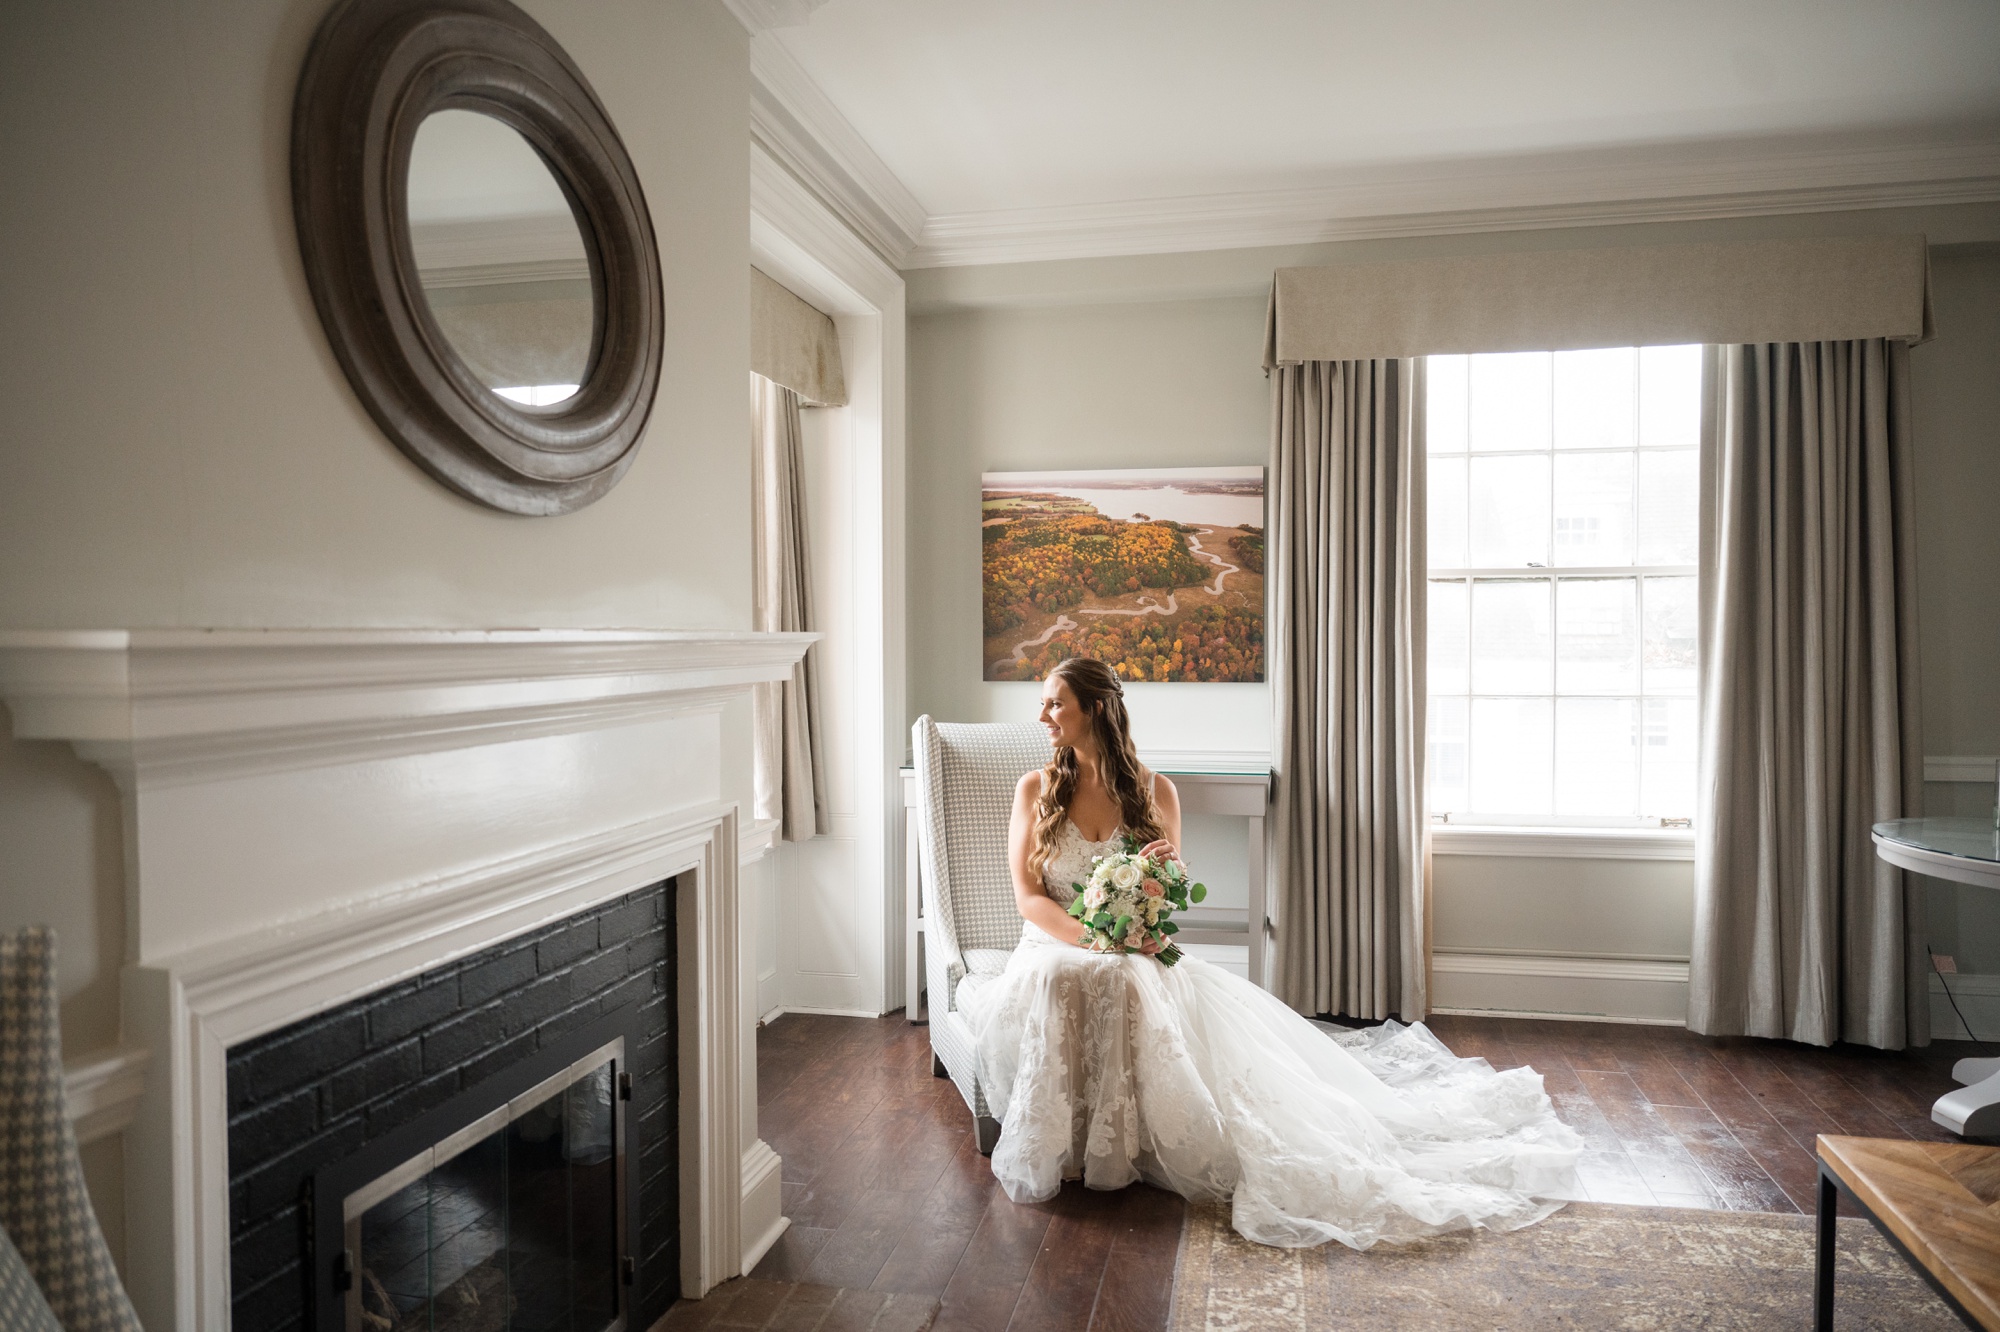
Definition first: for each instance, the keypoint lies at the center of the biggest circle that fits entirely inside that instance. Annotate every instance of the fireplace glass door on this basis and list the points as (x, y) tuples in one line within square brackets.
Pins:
[(511, 1224)]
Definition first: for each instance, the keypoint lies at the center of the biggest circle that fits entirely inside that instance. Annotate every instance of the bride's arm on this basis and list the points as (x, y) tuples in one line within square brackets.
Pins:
[(1168, 801), (1036, 907)]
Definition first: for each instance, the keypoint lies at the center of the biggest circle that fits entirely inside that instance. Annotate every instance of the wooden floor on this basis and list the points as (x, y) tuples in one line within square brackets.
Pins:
[(886, 1192)]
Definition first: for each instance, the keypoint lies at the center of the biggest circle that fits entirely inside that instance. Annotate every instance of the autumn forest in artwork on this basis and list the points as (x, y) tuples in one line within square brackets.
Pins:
[(1159, 573)]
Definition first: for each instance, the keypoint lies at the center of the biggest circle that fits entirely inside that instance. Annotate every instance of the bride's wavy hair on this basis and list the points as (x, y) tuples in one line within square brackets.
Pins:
[(1102, 699)]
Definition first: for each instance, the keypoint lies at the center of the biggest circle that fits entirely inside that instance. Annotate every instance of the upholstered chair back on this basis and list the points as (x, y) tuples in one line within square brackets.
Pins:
[(966, 775)]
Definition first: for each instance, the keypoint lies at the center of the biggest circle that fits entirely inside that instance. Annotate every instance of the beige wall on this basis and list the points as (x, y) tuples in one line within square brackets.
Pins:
[(1957, 410), (1159, 384), (1154, 359), (181, 449)]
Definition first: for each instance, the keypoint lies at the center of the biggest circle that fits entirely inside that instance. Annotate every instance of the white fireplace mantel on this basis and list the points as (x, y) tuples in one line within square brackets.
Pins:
[(312, 815)]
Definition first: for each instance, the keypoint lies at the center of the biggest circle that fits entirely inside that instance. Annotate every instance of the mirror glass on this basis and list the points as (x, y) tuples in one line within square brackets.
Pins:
[(501, 256)]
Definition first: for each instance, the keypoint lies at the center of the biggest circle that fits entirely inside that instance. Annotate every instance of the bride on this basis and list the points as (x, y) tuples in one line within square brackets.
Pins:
[(1113, 1068)]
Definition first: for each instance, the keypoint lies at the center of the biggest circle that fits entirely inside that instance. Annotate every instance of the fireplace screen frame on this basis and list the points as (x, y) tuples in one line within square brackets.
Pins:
[(340, 1193)]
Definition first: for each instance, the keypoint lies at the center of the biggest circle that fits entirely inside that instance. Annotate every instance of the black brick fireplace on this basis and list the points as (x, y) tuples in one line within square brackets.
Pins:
[(338, 1095)]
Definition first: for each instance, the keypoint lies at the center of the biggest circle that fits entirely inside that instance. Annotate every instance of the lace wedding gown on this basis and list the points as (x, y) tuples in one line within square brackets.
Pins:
[(1115, 1069)]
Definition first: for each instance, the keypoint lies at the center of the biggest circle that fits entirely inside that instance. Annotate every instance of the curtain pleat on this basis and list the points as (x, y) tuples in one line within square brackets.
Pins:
[(790, 763), (1347, 608), (1810, 732)]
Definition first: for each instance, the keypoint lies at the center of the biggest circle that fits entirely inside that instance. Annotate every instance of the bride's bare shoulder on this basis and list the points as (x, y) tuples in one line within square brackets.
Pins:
[(1030, 786)]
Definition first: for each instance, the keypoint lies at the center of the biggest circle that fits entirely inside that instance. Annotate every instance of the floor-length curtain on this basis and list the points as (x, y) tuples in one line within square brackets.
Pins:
[(790, 764), (1346, 653), (1809, 705)]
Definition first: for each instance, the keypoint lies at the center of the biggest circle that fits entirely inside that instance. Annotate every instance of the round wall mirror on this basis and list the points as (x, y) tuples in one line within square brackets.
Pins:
[(502, 259), (478, 248)]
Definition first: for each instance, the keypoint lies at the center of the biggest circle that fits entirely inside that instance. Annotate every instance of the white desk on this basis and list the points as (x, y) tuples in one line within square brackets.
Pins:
[(1964, 851), (1245, 795)]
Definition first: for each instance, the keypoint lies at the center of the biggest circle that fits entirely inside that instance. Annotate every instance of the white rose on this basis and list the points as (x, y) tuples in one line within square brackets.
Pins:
[(1126, 874), (1094, 895)]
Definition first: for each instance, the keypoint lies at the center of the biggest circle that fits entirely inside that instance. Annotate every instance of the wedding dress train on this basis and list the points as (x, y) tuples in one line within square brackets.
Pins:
[(1113, 1068)]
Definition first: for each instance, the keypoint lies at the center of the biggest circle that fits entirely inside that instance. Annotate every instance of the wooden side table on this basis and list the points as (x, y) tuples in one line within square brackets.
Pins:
[(1937, 1203)]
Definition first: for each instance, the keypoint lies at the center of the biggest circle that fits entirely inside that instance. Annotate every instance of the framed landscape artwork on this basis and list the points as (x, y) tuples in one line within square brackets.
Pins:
[(1159, 573)]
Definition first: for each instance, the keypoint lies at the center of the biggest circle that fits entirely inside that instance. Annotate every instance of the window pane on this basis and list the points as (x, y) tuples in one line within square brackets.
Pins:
[(1510, 401), (1511, 643), (1445, 512), (1668, 782), (1596, 398), (1444, 734), (1511, 742), (1446, 637), (1670, 397), (1671, 616), (1668, 507), (1444, 403), (1597, 636), (1597, 756), (1593, 509), (1510, 512)]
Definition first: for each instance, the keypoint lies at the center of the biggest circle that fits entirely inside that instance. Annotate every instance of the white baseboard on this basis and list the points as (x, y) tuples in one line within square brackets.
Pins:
[(763, 1202), (1978, 998), (783, 1009), (1646, 991)]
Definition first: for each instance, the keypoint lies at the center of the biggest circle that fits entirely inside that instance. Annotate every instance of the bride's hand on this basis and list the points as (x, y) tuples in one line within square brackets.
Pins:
[(1161, 849)]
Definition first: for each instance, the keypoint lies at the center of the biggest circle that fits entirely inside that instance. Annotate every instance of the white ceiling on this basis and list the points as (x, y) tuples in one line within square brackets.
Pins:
[(978, 107)]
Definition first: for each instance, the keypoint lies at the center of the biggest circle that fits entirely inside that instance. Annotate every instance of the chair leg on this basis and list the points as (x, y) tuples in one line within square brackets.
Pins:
[(938, 1070), (985, 1134)]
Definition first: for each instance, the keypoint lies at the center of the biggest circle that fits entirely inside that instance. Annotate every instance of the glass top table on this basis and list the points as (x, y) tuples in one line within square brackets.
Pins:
[(1963, 850)]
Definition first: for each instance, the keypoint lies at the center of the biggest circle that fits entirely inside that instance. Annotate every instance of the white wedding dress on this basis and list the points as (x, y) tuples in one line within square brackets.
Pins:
[(1114, 1068)]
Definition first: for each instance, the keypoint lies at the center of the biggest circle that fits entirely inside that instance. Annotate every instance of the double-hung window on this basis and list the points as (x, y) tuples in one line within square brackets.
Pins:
[(1562, 515)]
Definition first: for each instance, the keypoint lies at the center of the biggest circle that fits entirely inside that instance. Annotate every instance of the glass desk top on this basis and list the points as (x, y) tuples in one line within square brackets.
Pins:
[(1971, 839)]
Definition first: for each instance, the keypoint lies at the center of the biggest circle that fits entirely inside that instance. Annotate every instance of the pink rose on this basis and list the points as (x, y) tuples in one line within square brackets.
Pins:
[(1153, 889)]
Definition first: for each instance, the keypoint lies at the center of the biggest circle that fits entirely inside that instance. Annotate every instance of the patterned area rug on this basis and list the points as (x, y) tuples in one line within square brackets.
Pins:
[(1590, 1266)]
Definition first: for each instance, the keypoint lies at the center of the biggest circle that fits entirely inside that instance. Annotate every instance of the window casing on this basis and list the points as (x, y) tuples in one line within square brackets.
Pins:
[(1562, 520)]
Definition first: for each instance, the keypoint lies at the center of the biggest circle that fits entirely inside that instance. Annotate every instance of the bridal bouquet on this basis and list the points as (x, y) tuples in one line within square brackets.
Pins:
[(1128, 900)]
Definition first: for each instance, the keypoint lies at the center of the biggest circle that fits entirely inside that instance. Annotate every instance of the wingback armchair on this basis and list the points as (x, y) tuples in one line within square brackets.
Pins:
[(966, 776)]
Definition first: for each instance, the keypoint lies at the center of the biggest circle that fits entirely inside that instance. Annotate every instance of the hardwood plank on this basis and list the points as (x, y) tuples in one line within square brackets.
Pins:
[(792, 1254), (985, 1287), (941, 1231), (853, 1255), (1061, 1289), (1634, 1119), (1609, 1177), (1137, 1292)]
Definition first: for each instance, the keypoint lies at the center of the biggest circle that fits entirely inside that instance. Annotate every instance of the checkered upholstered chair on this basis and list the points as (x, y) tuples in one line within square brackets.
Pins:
[(966, 776), (43, 1206)]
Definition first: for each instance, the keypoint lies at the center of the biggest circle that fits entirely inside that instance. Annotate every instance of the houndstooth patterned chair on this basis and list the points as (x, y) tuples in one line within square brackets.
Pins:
[(43, 1206), (966, 776)]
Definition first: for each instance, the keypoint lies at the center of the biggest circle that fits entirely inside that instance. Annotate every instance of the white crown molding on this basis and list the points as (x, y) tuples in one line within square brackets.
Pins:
[(798, 240), (191, 705), (1564, 843), (805, 133), (101, 1090), (761, 15), (1584, 189)]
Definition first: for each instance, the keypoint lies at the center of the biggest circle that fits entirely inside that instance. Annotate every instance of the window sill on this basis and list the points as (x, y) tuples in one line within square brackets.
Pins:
[(1563, 843)]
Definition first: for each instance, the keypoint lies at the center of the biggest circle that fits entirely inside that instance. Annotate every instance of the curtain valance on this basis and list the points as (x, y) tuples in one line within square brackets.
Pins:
[(794, 345), (1557, 300)]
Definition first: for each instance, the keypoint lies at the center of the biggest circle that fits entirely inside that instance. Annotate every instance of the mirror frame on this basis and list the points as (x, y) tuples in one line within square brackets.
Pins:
[(376, 69)]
